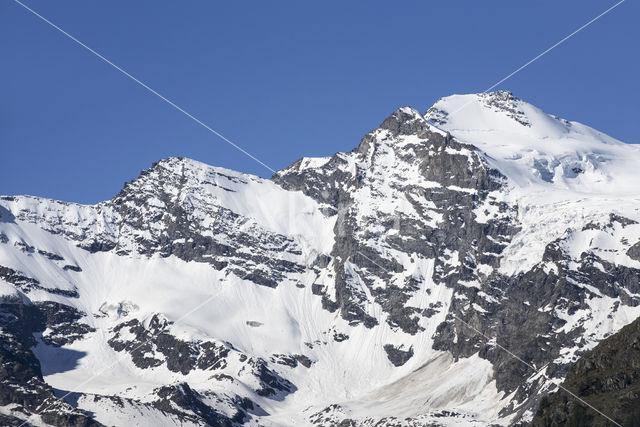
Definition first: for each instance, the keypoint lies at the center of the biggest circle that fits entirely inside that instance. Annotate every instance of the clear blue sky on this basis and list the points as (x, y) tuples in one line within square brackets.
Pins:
[(283, 79)]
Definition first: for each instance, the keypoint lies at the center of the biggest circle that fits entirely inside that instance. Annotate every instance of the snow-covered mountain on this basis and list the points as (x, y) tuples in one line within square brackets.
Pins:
[(446, 271)]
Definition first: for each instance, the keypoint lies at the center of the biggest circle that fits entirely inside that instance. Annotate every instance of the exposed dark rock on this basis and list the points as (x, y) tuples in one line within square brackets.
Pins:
[(21, 379), (272, 384), (284, 359), (304, 360), (507, 102), (291, 360), (154, 346), (607, 378), (621, 220), (261, 278), (9, 420), (212, 356), (98, 246), (397, 356), (50, 255), (63, 323), (24, 247), (178, 355), (405, 121), (634, 252), (339, 337), (253, 323), (191, 406), (26, 284)]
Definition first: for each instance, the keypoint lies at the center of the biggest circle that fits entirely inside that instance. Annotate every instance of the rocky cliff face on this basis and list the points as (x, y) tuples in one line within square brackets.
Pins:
[(607, 377), (449, 269)]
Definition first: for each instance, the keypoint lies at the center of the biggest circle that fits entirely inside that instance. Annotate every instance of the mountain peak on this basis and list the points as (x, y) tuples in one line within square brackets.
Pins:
[(499, 104), (178, 163), (534, 148), (172, 169), (405, 121)]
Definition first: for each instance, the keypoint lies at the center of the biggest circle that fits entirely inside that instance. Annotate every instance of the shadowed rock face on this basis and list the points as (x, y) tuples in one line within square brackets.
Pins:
[(607, 377), (20, 371), (397, 356), (180, 398), (634, 252)]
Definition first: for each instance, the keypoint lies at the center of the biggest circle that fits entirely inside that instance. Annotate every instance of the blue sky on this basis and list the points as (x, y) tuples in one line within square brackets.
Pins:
[(283, 79)]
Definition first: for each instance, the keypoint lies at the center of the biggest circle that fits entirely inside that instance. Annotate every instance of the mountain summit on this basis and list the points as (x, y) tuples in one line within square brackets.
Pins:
[(380, 285), (534, 148)]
